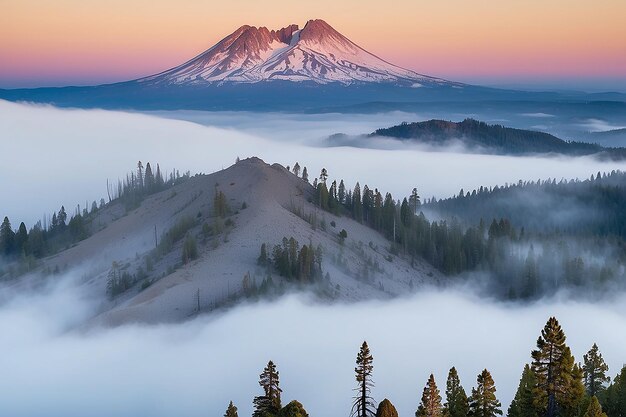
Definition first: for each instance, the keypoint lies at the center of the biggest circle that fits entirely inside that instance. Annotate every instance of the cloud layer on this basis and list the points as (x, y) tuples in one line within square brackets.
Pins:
[(53, 368), (60, 156)]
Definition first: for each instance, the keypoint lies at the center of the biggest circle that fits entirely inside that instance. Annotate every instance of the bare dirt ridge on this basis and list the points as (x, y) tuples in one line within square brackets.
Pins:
[(277, 204)]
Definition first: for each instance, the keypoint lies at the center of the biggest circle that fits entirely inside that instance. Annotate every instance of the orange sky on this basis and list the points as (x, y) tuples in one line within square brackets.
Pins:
[(59, 42)]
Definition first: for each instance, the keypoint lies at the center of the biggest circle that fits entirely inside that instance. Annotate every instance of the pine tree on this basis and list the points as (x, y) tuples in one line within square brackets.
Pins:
[(523, 402), (7, 237), (457, 404), (363, 405), (323, 175), (293, 409), (430, 406), (341, 192), (386, 409), (595, 370), (269, 403), (559, 380), (21, 239), (296, 169), (594, 409), (483, 401), (231, 411), (149, 181), (305, 175)]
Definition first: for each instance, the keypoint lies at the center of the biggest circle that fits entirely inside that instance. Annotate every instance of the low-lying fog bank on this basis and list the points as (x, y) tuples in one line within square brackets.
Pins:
[(196, 368), (64, 157)]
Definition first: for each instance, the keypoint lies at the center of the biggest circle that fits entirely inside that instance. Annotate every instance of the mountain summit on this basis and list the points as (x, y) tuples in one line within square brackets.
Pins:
[(315, 53)]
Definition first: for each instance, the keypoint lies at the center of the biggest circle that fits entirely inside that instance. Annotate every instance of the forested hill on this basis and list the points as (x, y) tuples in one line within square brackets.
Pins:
[(592, 207), (499, 139)]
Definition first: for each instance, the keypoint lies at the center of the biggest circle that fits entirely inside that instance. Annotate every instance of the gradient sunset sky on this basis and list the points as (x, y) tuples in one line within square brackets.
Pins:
[(533, 43)]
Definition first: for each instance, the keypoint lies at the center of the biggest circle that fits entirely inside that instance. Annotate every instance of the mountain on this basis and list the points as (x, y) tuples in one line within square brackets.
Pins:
[(158, 285), (313, 69), (486, 138), (317, 53)]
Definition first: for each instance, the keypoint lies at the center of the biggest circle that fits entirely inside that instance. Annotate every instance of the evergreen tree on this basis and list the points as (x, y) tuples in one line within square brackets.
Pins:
[(305, 175), (6, 237), (341, 192), (595, 370), (559, 380), (430, 406), (386, 409), (149, 181), (594, 409), (231, 411), (293, 409), (363, 405), (614, 401), (269, 403), (62, 217), (296, 169), (323, 176), (158, 178), (21, 239), (457, 404), (523, 402), (483, 401)]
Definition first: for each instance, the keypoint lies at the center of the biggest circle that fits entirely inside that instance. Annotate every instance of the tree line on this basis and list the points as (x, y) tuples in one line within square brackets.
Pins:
[(22, 247), (551, 385), (520, 262)]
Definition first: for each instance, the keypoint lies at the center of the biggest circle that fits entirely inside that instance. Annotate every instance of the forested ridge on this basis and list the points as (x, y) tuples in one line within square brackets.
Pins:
[(498, 138), (533, 256), (552, 384)]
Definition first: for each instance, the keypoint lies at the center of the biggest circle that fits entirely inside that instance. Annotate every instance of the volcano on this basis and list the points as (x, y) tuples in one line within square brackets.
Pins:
[(317, 53)]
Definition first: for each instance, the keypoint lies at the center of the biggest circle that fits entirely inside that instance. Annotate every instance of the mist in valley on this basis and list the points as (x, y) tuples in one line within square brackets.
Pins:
[(197, 367), (54, 348)]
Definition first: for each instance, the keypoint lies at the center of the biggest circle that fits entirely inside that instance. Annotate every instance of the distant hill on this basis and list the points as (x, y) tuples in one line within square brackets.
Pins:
[(498, 139)]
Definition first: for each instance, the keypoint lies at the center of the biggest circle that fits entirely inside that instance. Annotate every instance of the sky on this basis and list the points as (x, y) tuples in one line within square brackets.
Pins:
[(532, 43)]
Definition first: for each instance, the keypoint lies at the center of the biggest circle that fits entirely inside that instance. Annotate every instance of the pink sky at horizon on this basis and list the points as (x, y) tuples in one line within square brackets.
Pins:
[(74, 42)]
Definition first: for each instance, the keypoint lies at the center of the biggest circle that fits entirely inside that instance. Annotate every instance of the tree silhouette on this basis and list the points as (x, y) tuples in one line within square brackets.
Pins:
[(595, 369), (269, 403), (363, 405)]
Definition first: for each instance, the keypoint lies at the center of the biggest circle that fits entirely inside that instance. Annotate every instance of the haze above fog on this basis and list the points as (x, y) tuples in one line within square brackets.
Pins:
[(64, 157)]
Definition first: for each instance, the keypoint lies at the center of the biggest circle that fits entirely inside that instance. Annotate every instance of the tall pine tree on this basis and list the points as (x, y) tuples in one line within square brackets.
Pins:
[(483, 401), (559, 379), (430, 406), (595, 370), (363, 405), (269, 403), (456, 399)]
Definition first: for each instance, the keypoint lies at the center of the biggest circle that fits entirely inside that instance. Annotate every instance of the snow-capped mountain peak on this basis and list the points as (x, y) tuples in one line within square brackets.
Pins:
[(315, 53)]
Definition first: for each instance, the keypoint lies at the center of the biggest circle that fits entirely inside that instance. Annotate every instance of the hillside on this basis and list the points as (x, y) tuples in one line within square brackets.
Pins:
[(260, 206), (486, 138)]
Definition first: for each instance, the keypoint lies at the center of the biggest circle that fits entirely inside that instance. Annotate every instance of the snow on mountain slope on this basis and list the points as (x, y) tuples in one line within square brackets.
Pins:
[(316, 53)]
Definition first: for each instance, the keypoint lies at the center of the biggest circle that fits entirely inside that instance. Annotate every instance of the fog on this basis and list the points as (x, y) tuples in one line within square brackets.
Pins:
[(54, 362), (52, 367), (57, 157)]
